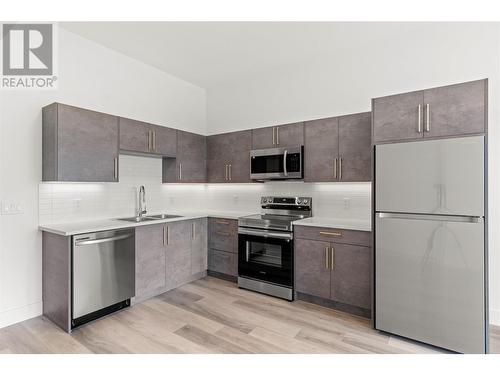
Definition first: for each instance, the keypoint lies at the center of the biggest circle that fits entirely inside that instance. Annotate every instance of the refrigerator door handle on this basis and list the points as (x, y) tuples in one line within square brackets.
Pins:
[(454, 218)]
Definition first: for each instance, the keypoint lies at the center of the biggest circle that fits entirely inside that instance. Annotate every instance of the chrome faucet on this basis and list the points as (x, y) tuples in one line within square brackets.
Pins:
[(142, 201)]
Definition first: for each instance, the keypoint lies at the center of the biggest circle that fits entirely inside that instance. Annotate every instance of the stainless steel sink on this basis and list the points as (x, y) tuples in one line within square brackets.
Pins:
[(162, 216), (139, 219)]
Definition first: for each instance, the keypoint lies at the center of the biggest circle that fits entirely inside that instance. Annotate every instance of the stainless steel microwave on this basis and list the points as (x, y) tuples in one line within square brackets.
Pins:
[(277, 163)]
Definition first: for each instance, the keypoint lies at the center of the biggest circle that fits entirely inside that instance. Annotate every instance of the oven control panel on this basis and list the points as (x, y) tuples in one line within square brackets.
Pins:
[(286, 201)]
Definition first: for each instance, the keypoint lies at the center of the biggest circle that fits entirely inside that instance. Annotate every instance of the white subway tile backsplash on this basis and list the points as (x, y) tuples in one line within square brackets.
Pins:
[(69, 202)]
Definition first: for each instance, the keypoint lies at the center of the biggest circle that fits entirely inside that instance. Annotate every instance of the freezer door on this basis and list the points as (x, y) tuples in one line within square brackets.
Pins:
[(438, 177), (429, 281)]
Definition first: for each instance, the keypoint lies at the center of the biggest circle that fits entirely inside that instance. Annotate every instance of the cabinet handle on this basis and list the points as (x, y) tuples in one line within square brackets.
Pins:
[(334, 234), (332, 261), (149, 140), (419, 123), (229, 172), (326, 257), (193, 229), (335, 162), (427, 117), (274, 139), (115, 168), (222, 222), (154, 140), (164, 235), (277, 135), (225, 170), (180, 171), (340, 168), (222, 233)]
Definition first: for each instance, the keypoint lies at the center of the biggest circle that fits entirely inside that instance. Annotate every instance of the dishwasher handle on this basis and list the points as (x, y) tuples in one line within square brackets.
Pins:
[(102, 240)]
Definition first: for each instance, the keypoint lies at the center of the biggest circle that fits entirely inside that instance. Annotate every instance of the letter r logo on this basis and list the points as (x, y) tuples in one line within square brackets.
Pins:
[(27, 49)]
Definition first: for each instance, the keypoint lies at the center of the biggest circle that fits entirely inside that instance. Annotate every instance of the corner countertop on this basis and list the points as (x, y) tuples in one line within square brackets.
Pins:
[(330, 222), (70, 229)]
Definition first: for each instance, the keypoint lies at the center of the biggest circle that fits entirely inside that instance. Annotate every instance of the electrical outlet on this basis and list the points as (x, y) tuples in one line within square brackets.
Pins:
[(347, 203), (11, 208)]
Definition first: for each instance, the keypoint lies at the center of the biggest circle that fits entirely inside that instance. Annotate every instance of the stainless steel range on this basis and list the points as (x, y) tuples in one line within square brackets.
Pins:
[(265, 249)]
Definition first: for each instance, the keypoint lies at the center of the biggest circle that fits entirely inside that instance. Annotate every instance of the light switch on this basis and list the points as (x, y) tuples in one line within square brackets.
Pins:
[(347, 203), (12, 208)]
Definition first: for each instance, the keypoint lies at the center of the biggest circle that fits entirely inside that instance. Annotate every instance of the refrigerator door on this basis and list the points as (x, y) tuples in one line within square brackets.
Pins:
[(436, 177), (430, 282)]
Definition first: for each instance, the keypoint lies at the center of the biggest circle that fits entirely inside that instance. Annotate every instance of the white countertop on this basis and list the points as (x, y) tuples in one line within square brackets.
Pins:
[(69, 229), (329, 222)]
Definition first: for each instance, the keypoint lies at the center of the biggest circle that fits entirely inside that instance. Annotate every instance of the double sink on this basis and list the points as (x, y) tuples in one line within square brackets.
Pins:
[(139, 219)]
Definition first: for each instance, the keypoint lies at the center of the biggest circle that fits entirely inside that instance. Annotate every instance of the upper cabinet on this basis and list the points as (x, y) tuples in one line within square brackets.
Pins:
[(144, 138), (190, 165), (287, 135), (228, 157), (79, 145), (338, 149), (439, 112)]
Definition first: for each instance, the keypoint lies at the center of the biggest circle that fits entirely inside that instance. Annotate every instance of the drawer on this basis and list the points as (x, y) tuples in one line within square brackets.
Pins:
[(223, 262), (223, 234), (356, 237)]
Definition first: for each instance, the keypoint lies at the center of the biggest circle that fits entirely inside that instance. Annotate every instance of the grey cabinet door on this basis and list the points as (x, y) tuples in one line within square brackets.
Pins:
[(239, 144), (263, 138), (217, 158), (395, 118), (321, 150), (290, 135), (178, 253), (456, 110), (199, 243), (223, 262), (135, 136), (312, 274), (351, 275), (191, 157), (87, 145), (223, 234), (164, 141), (150, 260), (229, 157), (287, 135), (355, 147)]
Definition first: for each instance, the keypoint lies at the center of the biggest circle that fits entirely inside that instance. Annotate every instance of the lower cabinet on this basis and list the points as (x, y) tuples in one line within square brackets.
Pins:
[(223, 262), (178, 253), (169, 255), (150, 260), (332, 272), (199, 254), (223, 247)]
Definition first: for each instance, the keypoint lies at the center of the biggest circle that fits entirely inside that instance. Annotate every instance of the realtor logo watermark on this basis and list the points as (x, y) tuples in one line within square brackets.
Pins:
[(28, 51)]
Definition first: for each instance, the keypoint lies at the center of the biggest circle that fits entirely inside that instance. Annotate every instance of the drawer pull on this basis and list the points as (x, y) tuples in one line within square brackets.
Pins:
[(334, 234), (222, 233)]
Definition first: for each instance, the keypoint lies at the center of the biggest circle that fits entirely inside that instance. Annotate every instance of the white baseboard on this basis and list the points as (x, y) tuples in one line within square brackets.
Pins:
[(17, 315), (495, 317)]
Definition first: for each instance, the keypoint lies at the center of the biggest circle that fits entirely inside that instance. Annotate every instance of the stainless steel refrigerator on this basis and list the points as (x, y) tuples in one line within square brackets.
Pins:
[(430, 242)]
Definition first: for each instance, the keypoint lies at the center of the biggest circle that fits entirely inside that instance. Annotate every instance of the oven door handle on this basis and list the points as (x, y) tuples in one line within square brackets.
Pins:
[(265, 233), (285, 172)]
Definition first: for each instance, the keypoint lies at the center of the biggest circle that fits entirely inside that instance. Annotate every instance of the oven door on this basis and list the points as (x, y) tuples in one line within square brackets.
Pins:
[(276, 163), (266, 255)]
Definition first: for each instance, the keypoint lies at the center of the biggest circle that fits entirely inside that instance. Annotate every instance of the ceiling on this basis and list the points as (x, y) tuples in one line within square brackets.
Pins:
[(209, 53)]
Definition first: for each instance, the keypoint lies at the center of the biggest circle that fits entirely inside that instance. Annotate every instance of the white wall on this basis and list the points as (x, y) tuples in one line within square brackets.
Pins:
[(427, 56), (90, 76)]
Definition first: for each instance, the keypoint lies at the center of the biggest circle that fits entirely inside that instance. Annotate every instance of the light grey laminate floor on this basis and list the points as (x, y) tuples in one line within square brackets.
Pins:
[(214, 316)]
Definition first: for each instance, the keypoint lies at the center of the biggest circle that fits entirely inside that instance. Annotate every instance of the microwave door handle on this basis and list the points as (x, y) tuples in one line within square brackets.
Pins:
[(284, 163)]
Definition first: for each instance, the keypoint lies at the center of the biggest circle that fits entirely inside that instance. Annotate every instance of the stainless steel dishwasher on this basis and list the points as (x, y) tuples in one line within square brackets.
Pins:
[(103, 273)]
